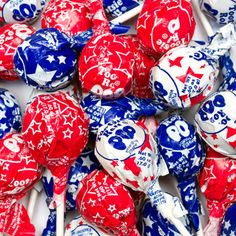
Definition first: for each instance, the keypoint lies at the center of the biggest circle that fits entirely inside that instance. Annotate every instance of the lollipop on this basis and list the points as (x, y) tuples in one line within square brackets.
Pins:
[(218, 184), (183, 152), (56, 130), (128, 153), (106, 203), (164, 25), (106, 62), (215, 122), (10, 114), (12, 35), (15, 11)]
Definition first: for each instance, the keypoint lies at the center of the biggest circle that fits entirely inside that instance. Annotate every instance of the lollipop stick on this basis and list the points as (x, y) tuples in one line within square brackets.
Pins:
[(178, 224), (60, 216)]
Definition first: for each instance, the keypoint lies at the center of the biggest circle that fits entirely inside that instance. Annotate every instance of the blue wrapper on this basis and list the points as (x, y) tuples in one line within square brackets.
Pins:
[(85, 164), (101, 111), (10, 113), (183, 152), (153, 223), (228, 225)]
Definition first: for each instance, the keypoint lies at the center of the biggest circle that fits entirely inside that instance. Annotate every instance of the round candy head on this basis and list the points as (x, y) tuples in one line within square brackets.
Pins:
[(12, 35), (70, 17), (215, 122), (106, 203), (46, 60), (163, 25), (10, 114)]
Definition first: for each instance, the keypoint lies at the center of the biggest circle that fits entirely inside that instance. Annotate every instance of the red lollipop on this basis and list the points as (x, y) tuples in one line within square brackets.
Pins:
[(107, 203), (56, 130), (11, 36), (218, 183), (69, 16), (163, 25), (106, 62)]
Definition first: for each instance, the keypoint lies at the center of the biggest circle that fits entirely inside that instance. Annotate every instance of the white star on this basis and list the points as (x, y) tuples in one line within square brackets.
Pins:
[(82, 208), (227, 225), (145, 15), (67, 133), (87, 162), (169, 153), (35, 127), (3, 127), (62, 5), (148, 221), (50, 58), (41, 76), (68, 121), (121, 60), (112, 208), (2, 114), (30, 145), (232, 233), (62, 59), (64, 15), (10, 50), (92, 202), (98, 218)]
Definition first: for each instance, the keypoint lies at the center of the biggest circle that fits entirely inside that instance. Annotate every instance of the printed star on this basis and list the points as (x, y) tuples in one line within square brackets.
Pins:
[(50, 58), (64, 15), (91, 55), (185, 152), (143, 18), (3, 127), (98, 218), (227, 225), (214, 136), (122, 42), (68, 119), (87, 162), (130, 164), (35, 127), (6, 166), (133, 183), (62, 5), (41, 76), (232, 233), (176, 62), (112, 208), (114, 163), (2, 114), (82, 207), (68, 226), (148, 222), (67, 133), (92, 202), (209, 173), (169, 153), (10, 50), (145, 178), (230, 132), (189, 72), (120, 57), (62, 59), (30, 145)]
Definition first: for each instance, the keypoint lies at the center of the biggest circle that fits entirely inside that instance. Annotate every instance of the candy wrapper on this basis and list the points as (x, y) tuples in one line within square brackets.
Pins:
[(183, 152), (228, 225), (46, 60), (221, 13), (10, 113), (12, 35), (215, 122), (217, 181), (128, 153), (103, 201), (153, 223), (101, 111), (106, 62), (185, 76), (15, 11), (163, 25)]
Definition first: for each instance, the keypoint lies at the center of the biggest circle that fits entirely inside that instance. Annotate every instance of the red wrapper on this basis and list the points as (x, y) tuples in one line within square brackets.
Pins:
[(165, 25), (107, 203), (69, 16), (11, 36), (56, 130)]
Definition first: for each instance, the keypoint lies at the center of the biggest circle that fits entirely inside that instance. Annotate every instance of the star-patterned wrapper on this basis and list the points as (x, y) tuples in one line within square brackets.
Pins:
[(143, 65), (106, 62), (46, 60), (221, 13), (106, 203), (228, 225), (55, 129), (10, 113), (165, 24), (215, 122), (153, 223), (80, 227), (101, 111), (218, 184), (15, 11), (69, 16), (183, 152), (12, 35)]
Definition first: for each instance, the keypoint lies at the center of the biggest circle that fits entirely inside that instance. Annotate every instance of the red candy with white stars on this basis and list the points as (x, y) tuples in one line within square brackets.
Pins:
[(107, 203), (165, 24), (11, 36), (71, 17)]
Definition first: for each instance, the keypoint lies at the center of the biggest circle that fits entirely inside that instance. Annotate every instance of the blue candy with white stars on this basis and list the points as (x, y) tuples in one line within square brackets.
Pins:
[(10, 113), (85, 164), (184, 154), (46, 60), (228, 225)]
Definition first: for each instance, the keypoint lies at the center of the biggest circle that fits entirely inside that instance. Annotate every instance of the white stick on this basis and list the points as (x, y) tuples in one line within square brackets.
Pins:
[(206, 25), (200, 231), (179, 225), (32, 200), (128, 15), (60, 216)]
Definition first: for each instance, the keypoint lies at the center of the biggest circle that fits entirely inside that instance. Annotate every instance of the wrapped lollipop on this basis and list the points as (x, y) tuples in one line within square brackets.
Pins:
[(128, 153), (56, 131), (153, 223), (106, 62), (10, 114), (218, 184), (178, 27), (215, 122), (107, 204), (185, 76), (14, 11), (183, 152), (19, 172), (12, 35), (84, 165)]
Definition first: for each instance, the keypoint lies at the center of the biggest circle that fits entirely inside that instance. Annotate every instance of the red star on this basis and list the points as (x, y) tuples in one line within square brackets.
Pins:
[(145, 179), (203, 135), (68, 226), (133, 182), (215, 146), (146, 143), (131, 165), (114, 163), (152, 177), (214, 136), (176, 62), (183, 78), (230, 132), (203, 66)]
